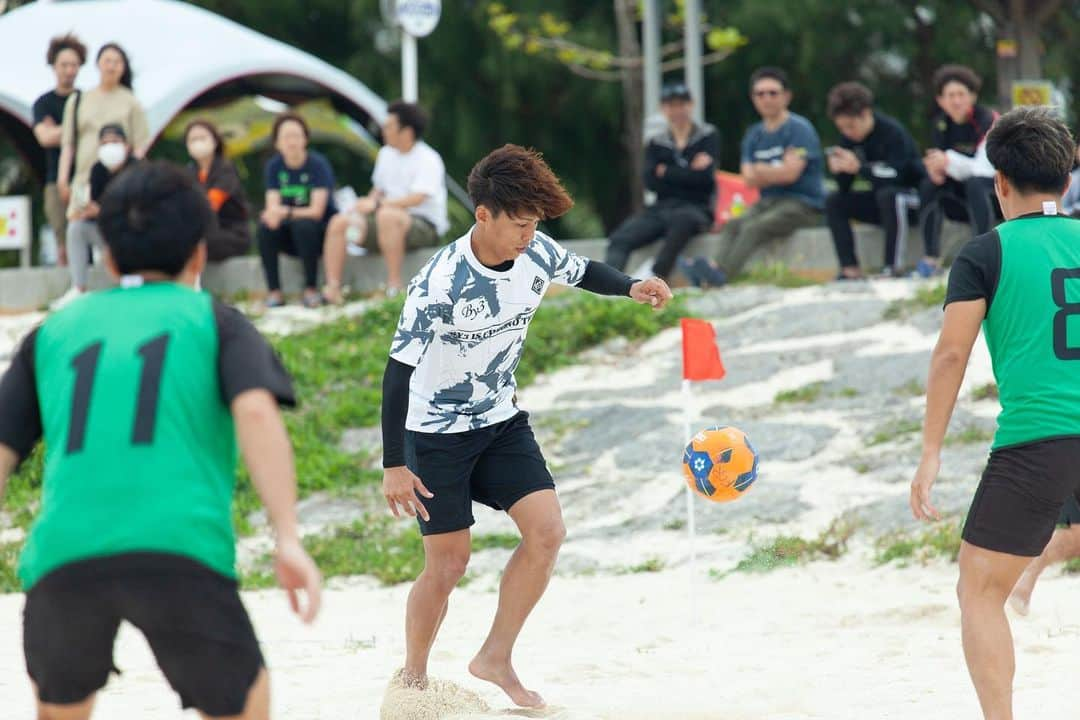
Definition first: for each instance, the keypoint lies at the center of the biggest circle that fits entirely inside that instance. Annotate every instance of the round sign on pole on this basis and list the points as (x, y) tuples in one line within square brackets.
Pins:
[(418, 17)]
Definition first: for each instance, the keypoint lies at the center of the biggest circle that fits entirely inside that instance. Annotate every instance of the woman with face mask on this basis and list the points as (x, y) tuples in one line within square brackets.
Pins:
[(113, 156), (230, 235)]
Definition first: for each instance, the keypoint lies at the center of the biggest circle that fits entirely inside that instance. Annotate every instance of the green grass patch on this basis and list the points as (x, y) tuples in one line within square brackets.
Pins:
[(788, 550), (894, 429), (9, 557), (805, 394), (912, 388), (1071, 566), (969, 435), (775, 273), (848, 392), (940, 540), (989, 391), (675, 524), (926, 296), (379, 546), (649, 565)]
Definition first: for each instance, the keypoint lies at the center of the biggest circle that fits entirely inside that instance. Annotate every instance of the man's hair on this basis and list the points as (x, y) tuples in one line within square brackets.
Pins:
[(774, 73), (956, 73), (153, 217), (849, 99), (409, 115), (517, 181), (128, 78), (1033, 149), (219, 142), (288, 117), (60, 43)]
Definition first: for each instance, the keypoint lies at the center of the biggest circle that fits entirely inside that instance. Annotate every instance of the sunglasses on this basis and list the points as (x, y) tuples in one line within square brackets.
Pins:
[(768, 93)]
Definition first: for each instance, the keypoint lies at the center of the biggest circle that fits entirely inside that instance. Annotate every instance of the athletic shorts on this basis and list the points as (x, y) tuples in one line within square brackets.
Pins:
[(496, 465), (1070, 512), (421, 234), (1022, 494), (191, 616)]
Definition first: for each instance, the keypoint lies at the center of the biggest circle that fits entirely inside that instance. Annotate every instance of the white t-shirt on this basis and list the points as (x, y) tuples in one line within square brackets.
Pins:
[(420, 170), (463, 328)]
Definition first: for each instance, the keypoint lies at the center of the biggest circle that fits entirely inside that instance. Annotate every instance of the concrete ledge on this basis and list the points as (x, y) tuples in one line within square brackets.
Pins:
[(808, 252)]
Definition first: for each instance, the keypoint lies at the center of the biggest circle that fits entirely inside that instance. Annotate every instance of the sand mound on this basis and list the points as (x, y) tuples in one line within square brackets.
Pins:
[(440, 700)]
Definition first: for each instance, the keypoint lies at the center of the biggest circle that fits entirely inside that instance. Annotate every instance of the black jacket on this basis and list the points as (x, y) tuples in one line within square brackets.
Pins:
[(680, 184), (233, 215), (888, 156), (963, 138)]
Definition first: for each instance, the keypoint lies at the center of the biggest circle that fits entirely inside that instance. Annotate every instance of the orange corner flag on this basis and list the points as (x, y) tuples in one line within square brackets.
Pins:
[(700, 354)]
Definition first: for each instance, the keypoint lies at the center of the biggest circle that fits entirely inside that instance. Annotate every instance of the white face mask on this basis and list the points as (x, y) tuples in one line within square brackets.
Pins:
[(200, 149), (112, 155)]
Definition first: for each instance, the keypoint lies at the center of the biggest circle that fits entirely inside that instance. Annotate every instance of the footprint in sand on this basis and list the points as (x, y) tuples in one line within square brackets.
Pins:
[(444, 700)]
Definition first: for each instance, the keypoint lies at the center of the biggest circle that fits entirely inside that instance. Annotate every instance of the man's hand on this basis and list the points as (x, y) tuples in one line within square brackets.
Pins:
[(661, 170), (843, 160), (400, 487), (64, 188), (701, 161), (925, 476), (936, 163), (296, 571), (653, 291)]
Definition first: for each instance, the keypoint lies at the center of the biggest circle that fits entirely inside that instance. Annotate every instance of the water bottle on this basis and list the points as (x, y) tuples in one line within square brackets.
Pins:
[(738, 205)]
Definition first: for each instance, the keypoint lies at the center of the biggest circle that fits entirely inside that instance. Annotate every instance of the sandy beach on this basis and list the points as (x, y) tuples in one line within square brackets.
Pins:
[(828, 640)]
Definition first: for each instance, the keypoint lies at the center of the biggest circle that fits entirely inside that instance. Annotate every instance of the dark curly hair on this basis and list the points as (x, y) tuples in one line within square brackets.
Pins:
[(60, 43), (516, 180)]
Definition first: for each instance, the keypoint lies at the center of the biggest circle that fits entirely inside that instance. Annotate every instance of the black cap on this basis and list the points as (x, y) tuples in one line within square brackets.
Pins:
[(675, 91), (112, 129)]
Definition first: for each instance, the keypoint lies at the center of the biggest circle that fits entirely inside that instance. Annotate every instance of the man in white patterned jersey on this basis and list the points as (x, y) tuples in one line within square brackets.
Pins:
[(452, 431)]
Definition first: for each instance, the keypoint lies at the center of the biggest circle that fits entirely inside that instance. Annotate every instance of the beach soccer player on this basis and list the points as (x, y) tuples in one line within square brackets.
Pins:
[(142, 394), (1021, 284), (1064, 545), (452, 431)]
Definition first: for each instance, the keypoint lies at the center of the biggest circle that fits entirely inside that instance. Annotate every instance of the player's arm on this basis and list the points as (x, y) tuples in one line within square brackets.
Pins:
[(253, 385), (786, 173), (400, 485), (20, 413), (602, 279)]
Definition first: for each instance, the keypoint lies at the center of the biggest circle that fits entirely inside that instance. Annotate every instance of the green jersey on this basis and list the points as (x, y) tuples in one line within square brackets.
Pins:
[(132, 388), (1028, 271)]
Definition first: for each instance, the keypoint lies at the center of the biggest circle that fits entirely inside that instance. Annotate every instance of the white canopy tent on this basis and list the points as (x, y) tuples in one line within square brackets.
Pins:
[(181, 55)]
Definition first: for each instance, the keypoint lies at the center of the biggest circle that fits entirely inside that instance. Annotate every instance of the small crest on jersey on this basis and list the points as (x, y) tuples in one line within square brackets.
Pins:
[(538, 284)]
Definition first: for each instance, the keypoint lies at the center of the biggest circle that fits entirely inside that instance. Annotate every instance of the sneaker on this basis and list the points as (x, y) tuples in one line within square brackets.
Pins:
[(927, 269), (73, 293), (313, 299), (687, 268), (334, 294), (710, 275), (274, 300)]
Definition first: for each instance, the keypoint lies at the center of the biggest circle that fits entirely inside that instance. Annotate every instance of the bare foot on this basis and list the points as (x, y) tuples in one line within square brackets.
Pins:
[(503, 675), (1020, 601), (409, 679)]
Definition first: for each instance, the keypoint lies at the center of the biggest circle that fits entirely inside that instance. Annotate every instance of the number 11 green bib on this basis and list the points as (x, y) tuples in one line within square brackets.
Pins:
[(140, 447), (1033, 330)]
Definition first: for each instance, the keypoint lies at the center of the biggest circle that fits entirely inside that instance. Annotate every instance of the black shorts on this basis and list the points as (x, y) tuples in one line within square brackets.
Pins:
[(496, 465), (1070, 512), (191, 616), (1021, 496)]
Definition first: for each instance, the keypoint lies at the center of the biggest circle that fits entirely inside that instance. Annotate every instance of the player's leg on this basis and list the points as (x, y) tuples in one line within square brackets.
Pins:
[(840, 209), (512, 474), (257, 706), (446, 556), (1064, 545), (392, 225), (69, 627), (986, 578)]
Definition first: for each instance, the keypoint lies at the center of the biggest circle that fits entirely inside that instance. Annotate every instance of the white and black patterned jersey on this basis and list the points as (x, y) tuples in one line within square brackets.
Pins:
[(463, 328)]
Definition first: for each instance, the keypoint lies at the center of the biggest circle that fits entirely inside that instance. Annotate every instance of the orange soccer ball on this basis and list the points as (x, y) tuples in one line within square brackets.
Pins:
[(720, 464)]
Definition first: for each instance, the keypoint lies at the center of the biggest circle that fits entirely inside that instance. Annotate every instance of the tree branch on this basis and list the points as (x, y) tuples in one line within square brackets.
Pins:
[(614, 75), (709, 59)]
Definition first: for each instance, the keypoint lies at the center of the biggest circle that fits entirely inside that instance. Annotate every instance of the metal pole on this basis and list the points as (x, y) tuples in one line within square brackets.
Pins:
[(409, 72), (694, 72), (650, 43)]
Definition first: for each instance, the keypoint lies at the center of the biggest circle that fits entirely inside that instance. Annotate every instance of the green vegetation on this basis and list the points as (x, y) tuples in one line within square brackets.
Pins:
[(805, 394), (970, 435), (377, 546), (648, 565), (9, 556), (912, 388), (1071, 566), (675, 524), (926, 296), (940, 540), (848, 392), (989, 391), (787, 550), (894, 429), (776, 273)]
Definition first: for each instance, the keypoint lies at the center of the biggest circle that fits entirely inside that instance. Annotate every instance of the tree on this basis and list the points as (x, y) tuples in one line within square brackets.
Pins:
[(1020, 24), (547, 35)]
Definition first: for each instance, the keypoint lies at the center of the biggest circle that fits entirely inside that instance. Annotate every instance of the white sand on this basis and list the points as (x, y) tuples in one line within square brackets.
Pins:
[(828, 641)]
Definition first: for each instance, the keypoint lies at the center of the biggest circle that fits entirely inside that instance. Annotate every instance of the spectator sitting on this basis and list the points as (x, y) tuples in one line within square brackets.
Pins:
[(228, 234), (299, 204), (782, 156), (406, 208), (680, 166), (960, 180), (83, 235), (66, 55), (878, 149)]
